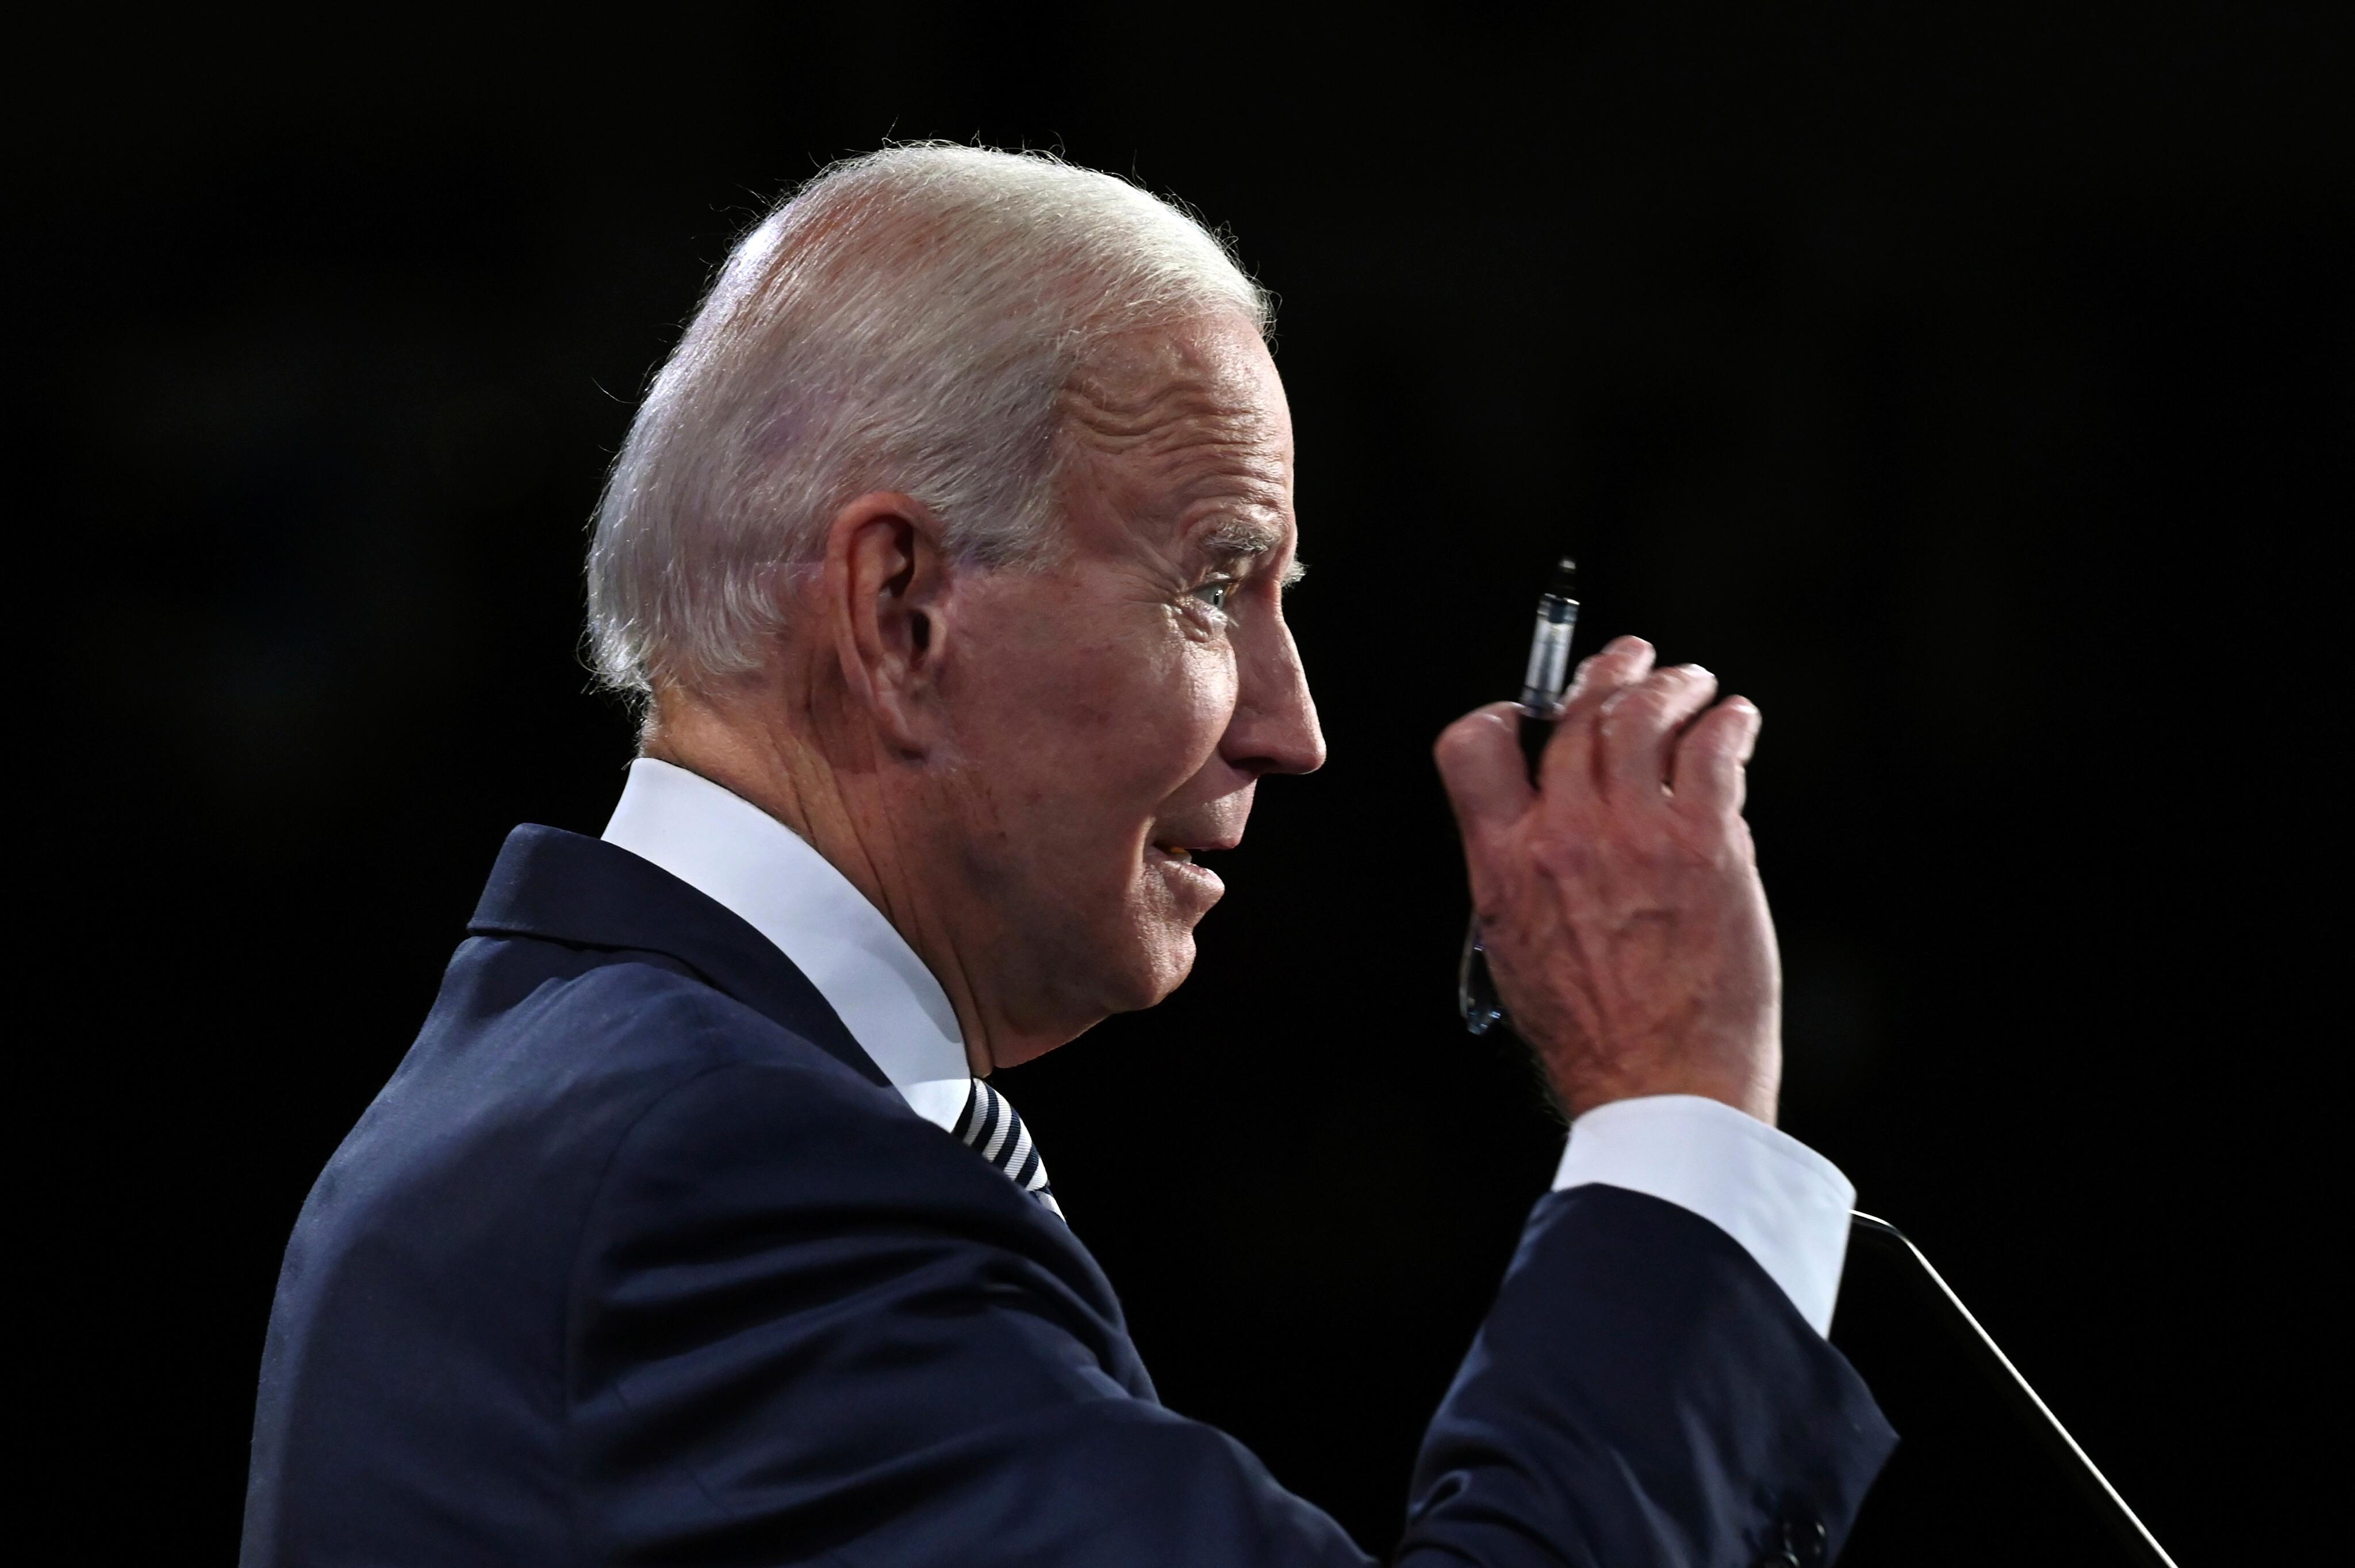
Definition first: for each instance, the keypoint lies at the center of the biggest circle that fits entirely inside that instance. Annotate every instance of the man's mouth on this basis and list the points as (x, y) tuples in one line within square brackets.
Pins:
[(1171, 860), (1183, 851)]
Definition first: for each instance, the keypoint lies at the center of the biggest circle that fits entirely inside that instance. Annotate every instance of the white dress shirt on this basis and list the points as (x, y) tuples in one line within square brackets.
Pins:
[(1783, 1203)]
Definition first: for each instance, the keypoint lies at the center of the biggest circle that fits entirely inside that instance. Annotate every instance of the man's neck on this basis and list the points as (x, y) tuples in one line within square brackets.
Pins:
[(788, 777)]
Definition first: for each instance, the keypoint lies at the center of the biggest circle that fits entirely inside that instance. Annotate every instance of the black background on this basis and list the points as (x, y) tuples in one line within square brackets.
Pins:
[(1970, 390)]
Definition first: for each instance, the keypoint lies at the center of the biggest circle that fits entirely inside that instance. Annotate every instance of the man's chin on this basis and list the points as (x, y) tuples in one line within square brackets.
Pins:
[(1141, 978), (1149, 972), (1158, 964), (1171, 965)]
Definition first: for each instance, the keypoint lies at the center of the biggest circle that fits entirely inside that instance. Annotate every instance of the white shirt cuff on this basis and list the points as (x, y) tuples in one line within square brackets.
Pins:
[(1787, 1205)]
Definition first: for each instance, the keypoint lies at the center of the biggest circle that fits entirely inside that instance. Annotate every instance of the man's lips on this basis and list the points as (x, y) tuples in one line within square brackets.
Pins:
[(1196, 885), (1171, 854), (1183, 849)]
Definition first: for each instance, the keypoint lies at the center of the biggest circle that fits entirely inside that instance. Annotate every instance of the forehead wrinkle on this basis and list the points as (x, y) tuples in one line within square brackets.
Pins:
[(1222, 483), (1184, 441), (1196, 452), (1172, 416), (1152, 391)]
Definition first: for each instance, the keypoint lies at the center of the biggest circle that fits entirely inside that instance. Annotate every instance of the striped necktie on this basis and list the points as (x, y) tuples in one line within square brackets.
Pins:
[(989, 1124)]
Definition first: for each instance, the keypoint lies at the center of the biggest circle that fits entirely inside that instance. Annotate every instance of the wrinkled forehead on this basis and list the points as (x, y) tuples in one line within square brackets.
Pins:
[(1186, 426), (1220, 356)]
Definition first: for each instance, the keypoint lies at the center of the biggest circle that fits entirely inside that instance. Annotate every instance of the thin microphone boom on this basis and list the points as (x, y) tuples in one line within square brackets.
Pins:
[(2130, 1532)]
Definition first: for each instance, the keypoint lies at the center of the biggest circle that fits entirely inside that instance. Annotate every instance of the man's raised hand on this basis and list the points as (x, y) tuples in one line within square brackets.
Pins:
[(1619, 898)]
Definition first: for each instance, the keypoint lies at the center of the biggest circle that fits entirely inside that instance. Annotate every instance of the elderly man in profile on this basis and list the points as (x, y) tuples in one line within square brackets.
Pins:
[(948, 552)]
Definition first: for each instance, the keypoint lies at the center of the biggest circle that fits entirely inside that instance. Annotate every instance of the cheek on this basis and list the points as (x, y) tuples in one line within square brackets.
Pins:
[(1084, 726), (1171, 721), (1135, 711), (1139, 731)]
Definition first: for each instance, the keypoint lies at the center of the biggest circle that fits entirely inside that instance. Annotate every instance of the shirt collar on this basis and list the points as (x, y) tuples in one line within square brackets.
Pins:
[(741, 858)]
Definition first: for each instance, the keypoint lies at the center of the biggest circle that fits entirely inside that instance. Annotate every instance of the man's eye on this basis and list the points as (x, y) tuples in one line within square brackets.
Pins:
[(1216, 592)]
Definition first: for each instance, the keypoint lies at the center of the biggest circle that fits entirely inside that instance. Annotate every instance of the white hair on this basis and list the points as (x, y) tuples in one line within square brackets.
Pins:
[(907, 320)]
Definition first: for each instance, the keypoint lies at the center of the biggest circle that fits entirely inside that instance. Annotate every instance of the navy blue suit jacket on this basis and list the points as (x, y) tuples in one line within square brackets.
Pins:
[(638, 1258)]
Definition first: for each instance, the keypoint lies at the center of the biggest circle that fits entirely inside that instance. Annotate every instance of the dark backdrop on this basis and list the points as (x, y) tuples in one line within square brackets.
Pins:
[(1973, 393)]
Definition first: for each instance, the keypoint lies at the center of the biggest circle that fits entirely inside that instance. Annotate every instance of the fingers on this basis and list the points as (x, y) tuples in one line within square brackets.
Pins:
[(1625, 728), (1637, 729), (1569, 755), (1709, 778), (1480, 761)]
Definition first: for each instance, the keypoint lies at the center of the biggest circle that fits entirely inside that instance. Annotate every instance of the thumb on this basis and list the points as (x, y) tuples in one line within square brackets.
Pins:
[(1480, 761)]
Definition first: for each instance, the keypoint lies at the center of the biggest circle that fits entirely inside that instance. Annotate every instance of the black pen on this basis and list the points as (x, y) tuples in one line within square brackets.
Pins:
[(1543, 683)]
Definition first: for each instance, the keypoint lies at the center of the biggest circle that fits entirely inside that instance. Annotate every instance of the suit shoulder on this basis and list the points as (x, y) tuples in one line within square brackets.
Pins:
[(535, 1064), (633, 1013)]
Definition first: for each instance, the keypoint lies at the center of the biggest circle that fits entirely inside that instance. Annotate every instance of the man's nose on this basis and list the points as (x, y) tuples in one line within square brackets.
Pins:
[(1274, 730)]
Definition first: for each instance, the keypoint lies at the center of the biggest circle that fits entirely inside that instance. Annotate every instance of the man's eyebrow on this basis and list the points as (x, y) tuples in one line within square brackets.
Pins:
[(1238, 539)]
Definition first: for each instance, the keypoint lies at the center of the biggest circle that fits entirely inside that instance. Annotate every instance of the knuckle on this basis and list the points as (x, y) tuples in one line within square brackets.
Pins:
[(1634, 709), (1626, 701), (1693, 677), (1708, 749), (1713, 737)]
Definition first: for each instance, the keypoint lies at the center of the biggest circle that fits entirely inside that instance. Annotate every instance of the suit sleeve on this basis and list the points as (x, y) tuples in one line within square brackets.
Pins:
[(1642, 1393), (807, 1327)]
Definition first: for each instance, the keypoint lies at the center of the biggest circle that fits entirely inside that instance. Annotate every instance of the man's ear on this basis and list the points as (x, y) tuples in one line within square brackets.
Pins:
[(885, 582)]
